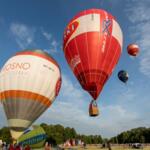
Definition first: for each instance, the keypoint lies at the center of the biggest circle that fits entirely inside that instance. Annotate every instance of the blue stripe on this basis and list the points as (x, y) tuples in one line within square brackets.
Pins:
[(34, 140)]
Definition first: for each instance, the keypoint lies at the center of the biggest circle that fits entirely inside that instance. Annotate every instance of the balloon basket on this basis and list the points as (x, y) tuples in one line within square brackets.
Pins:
[(93, 109)]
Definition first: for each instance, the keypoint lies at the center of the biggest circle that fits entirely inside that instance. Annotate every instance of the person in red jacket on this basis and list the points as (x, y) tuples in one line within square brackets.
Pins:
[(27, 147), (11, 147), (18, 147), (47, 146)]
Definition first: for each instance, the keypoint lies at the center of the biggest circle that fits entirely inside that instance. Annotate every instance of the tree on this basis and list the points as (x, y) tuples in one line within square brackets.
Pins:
[(69, 133), (5, 135), (137, 135)]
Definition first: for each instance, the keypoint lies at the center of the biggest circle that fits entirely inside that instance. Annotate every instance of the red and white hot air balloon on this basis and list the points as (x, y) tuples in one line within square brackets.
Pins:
[(29, 83), (133, 49), (92, 46)]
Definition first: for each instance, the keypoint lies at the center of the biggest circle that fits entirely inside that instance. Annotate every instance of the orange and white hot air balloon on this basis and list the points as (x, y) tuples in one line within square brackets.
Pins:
[(29, 83), (133, 49)]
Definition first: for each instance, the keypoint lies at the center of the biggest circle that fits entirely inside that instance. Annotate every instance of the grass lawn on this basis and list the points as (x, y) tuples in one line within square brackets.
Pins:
[(99, 148)]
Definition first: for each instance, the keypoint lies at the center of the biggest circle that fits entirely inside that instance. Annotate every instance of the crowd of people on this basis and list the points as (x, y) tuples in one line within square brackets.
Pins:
[(74, 142), (5, 146)]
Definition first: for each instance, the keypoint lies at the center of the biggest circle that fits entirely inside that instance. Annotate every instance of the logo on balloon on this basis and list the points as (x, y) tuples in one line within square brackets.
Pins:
[(75, 61), (16, 65), (70, 30), (106, 30), (106, 26)]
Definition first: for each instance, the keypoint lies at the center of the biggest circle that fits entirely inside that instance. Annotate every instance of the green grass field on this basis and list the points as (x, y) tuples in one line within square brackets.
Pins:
[(99, 148)]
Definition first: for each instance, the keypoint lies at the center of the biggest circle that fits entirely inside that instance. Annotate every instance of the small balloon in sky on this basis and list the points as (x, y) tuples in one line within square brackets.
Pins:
[(133, 49), (123, 76)]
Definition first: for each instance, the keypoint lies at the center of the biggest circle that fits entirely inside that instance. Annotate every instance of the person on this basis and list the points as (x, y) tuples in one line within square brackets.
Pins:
[(27, 147), (48, 146), (4, 147), (18, 147), (84, 145), (11, 147), (108, 145), (103, 145)]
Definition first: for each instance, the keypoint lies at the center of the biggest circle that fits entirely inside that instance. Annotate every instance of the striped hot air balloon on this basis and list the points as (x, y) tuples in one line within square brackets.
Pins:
[(92, 47), (35, 138), (133, 49), (29, 83)]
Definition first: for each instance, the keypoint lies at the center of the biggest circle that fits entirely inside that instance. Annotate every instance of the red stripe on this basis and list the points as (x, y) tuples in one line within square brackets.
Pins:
[(96, 59), (26, 95), (38, 55), (91, 11)]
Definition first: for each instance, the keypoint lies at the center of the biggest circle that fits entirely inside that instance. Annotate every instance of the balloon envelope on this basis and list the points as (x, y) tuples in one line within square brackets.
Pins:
[(133, 49), (35, 138), (92, 47), (29, 83), (123, 76)]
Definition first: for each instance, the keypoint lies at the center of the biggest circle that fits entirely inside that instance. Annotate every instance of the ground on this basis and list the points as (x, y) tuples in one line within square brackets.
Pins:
[(99, 148)]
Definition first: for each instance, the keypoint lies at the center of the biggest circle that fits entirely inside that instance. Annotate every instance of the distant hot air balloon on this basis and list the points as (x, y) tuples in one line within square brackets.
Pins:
[(123, 76), (133, 49), (29, 83), (92, 46)]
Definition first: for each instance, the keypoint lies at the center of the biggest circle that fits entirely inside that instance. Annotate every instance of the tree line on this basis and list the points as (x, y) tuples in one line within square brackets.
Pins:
[(58, 134), (137, 135)]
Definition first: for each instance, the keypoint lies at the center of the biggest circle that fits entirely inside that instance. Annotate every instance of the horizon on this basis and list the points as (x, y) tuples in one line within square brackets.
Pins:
[(32, 128)]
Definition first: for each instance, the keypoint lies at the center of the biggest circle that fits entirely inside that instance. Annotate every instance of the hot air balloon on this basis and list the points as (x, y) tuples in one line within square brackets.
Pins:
[(133, 49), (29, 83), (35, 138), (123, 76), (92, 45)]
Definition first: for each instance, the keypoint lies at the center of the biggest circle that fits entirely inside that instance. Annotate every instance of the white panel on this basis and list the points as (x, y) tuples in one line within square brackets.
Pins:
[(133, 46), (31, 73), (16, 134), (87, 23), (117, 33), (18, 122)]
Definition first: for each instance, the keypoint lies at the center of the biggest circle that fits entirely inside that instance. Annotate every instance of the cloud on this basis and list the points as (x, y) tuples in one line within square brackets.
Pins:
[(54, 45), (128, 94), (71, 109), (71, 90), (47, 35), (24, 35), (138, 11), (112, 120), (52, 42), (138, 14), (116, 118)]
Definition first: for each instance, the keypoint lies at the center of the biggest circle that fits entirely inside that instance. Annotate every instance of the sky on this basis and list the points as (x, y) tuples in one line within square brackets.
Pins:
[(29, 24)]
